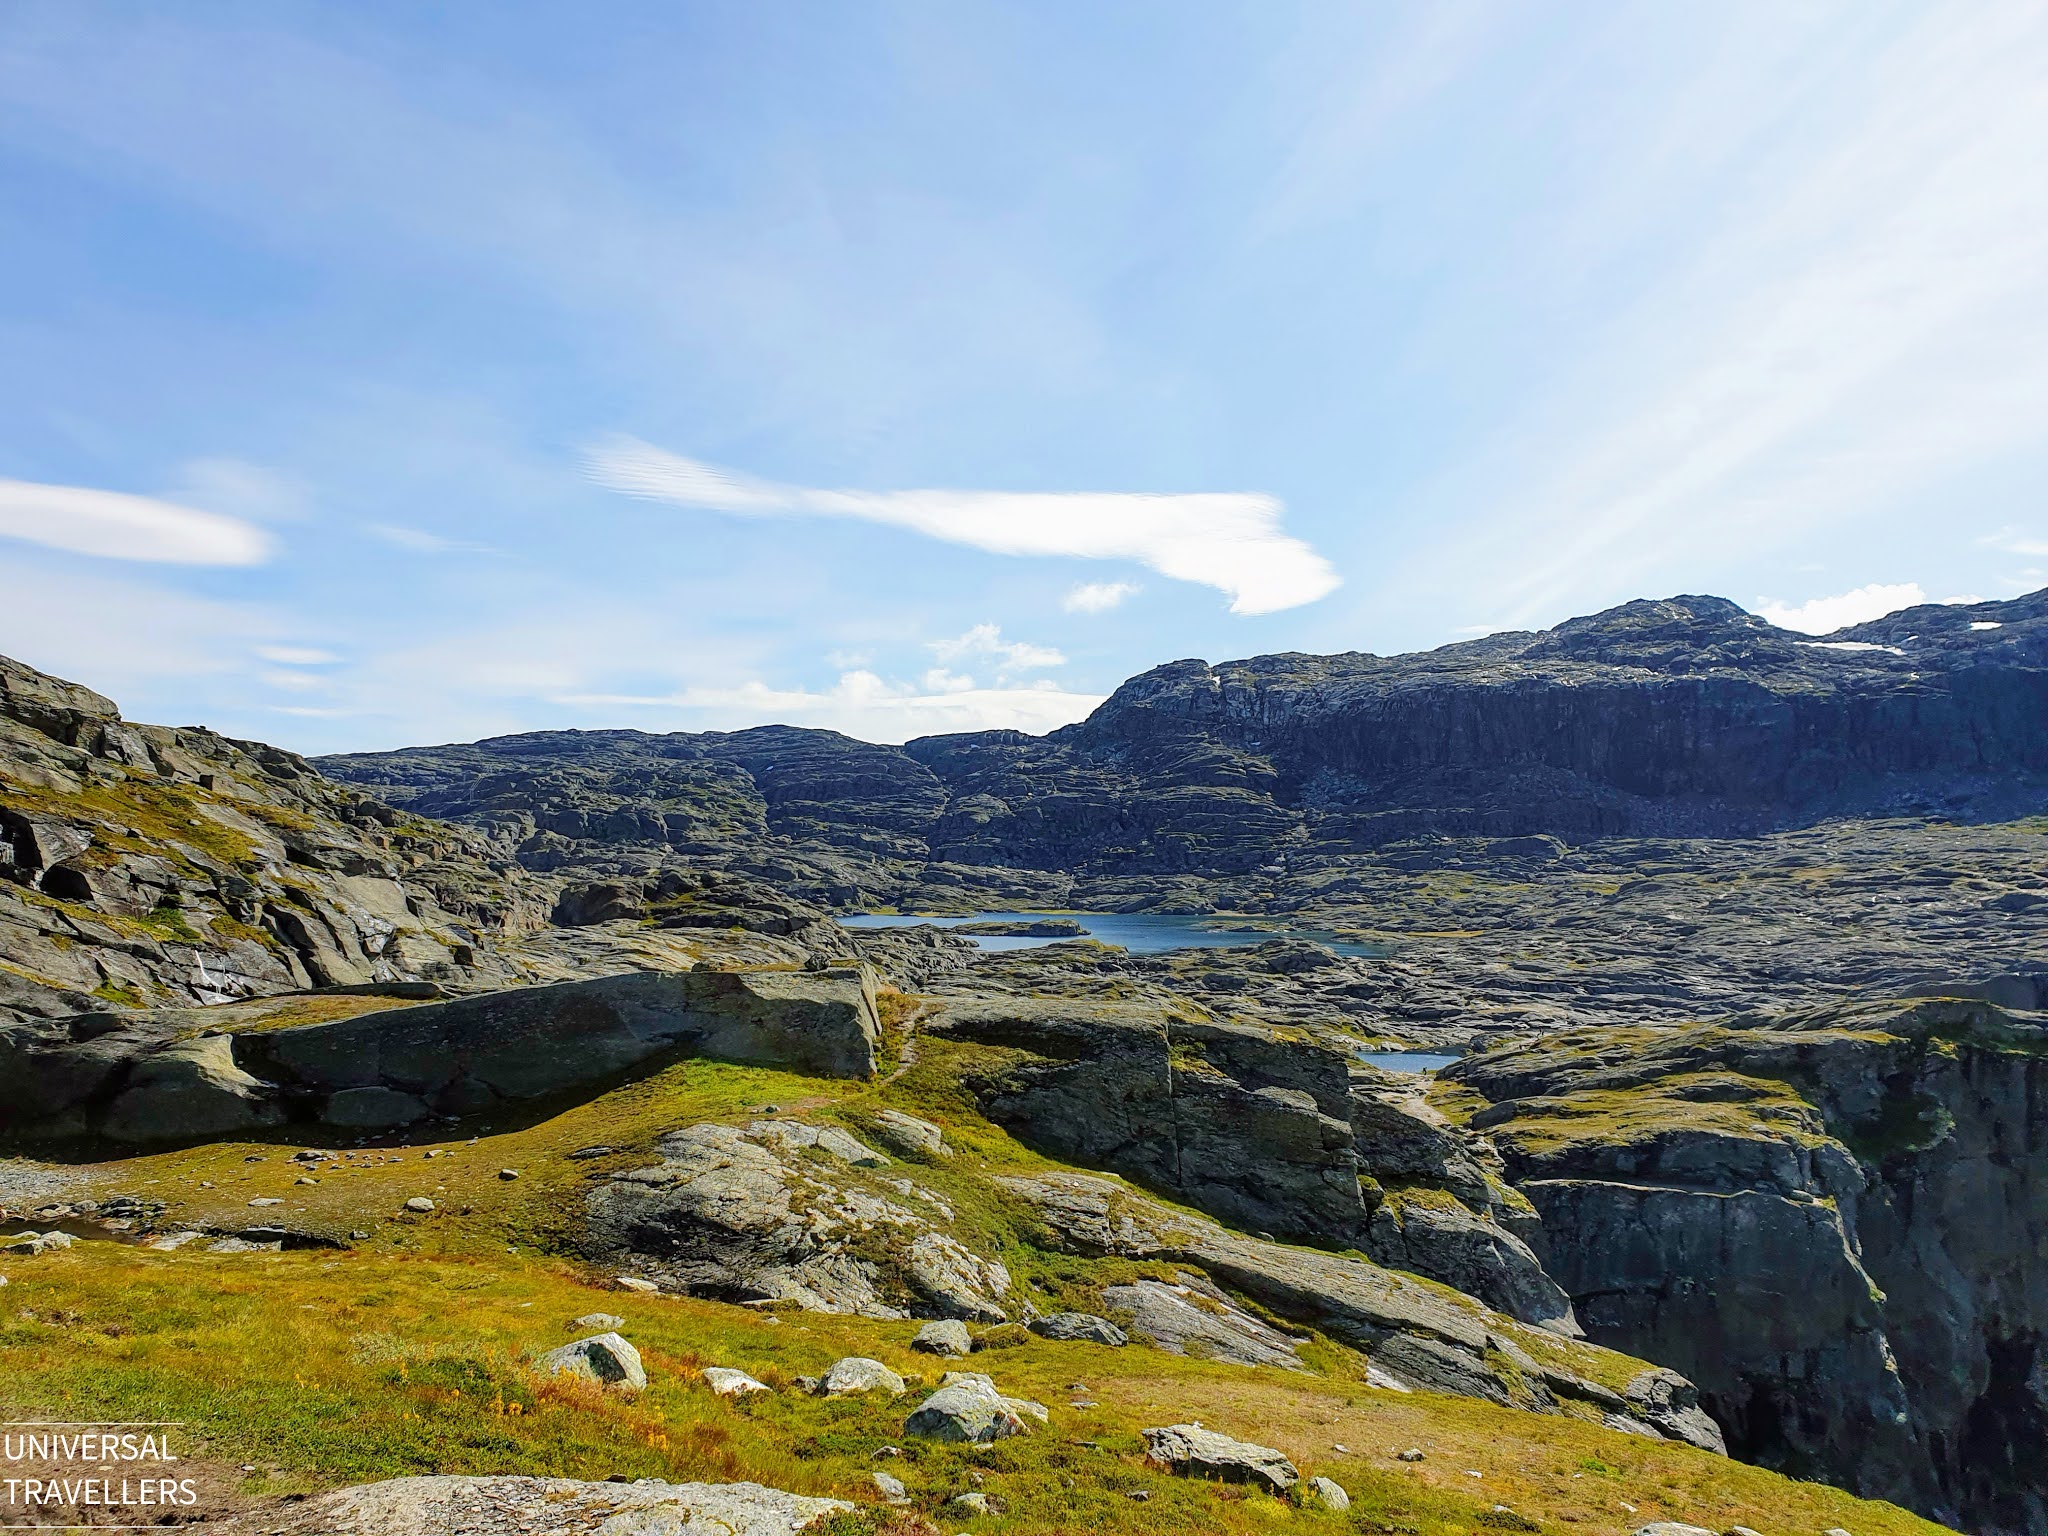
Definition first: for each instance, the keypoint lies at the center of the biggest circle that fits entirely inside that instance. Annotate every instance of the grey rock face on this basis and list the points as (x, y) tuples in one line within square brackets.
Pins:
[(1193, 1317), (1260, 1129), (741, 1213), (1415, 1335), (1430, 1233), (604, 1358), (1231, 1117), (553, 1506), (1188, 1450), (1850, 1271), (1082, 1327), (141, 1079), (1678, 717), (191, 1089), (141, 866)]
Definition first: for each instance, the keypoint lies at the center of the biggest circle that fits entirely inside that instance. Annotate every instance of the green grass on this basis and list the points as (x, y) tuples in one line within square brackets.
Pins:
[(413, 1350), (321, 1369)]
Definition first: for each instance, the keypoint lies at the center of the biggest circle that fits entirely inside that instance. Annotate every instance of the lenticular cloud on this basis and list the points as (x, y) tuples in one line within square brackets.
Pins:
[(1231, 541), (116, 526)]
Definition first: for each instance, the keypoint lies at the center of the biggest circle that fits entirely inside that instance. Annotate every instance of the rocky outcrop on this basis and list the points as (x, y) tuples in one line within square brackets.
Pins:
[(1265, 1129), (146, 866), (1829, 1219), (556, 1506), (1192, 1315), (1412, 1335), (164, 1077), (739, 1213), (1239, 1121)]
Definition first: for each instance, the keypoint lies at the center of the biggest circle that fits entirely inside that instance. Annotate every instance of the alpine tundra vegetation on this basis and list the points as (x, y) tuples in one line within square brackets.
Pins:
[(511, 1136)]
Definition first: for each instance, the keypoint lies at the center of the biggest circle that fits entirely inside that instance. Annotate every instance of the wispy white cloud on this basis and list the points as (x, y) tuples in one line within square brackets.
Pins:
[(297, 655), (146, 647), (115, 526), (1231, 541), (420, 542), (1865, 314), (1098, 596), (295, 682), (987, 640), (1825, 615), (241, 489), (2015, 541)]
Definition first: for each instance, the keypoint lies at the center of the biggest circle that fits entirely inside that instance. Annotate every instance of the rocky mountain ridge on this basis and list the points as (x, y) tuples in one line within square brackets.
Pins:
[(143, 865), (1682, 718)]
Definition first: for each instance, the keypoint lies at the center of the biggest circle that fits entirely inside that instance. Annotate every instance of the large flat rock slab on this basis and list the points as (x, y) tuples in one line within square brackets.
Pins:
[(554, 1506)]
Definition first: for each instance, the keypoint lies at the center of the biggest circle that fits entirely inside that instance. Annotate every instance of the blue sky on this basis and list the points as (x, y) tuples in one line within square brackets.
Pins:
[(388, 373)]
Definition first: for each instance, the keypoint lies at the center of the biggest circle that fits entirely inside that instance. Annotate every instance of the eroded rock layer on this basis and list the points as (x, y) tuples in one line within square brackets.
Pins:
[(1833, 1220)]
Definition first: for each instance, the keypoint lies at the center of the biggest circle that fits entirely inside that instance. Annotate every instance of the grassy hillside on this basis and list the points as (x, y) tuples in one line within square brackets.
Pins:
[(411, 1350)]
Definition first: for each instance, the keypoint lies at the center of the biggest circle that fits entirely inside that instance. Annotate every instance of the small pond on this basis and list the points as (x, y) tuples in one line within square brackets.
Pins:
[(1142, 933), (1405, 1061)]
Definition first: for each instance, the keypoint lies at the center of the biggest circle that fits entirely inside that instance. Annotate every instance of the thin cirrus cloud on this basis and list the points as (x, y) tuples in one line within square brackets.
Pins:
[(420, 542), (113, 525), (1231, 541)]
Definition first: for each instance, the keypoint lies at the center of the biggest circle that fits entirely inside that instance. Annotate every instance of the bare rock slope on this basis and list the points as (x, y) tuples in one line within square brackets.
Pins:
[(1833, 1220)]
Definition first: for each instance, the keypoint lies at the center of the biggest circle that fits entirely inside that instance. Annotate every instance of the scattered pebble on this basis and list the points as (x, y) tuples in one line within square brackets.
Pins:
[(1411, 1454), (418, 1203)]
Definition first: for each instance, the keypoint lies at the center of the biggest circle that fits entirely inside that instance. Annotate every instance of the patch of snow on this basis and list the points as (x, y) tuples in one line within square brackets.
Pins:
[(1850, 645), (1985, 624)]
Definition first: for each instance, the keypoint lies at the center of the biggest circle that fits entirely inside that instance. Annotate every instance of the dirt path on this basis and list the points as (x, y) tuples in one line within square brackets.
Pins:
[(908, 1056)]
